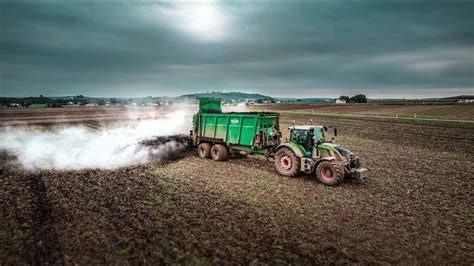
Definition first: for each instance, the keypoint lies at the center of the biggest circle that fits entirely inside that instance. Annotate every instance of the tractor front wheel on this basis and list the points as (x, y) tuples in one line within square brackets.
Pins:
[(330, 173), (204, 150), (286, 162), (219, 152)]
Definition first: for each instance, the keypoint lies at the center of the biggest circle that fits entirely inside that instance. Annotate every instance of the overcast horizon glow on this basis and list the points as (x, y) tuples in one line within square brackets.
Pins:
[(322, 49)]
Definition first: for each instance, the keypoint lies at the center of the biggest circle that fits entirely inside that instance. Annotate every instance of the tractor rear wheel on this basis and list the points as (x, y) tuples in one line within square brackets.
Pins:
[(286, 162), (330, 173), (219, 152), (204, 150)]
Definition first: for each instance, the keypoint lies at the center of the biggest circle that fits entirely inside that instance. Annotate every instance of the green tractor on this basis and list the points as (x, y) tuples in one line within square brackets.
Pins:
[(217, 135), (308, 151)]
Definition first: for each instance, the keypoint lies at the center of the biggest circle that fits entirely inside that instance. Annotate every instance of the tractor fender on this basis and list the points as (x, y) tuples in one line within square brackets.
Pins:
[(294, 147), (329, 158)]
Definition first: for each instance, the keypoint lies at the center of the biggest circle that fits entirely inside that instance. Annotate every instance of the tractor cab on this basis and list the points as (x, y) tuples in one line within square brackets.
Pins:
[(307, 136)]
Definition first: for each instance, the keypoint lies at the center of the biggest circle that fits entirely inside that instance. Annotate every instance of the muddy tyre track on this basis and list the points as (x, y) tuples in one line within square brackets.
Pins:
[(46, 247)]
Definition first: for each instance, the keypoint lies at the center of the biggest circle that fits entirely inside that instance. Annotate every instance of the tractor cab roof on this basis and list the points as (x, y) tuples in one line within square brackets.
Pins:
[(304, 127)]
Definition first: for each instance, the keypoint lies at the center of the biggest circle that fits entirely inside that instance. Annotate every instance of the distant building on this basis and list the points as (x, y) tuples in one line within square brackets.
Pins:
[(466, 99), (92, 104), (339, 101), (71, 104)]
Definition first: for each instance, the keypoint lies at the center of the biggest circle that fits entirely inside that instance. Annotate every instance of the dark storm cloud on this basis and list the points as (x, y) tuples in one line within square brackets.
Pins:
[(282, 49)]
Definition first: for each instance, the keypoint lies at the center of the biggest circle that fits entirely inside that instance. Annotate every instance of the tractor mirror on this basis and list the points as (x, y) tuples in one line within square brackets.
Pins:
[(335, 132)]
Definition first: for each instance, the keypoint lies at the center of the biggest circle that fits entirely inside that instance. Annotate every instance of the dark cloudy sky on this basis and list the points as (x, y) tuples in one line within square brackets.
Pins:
[(310, 49)]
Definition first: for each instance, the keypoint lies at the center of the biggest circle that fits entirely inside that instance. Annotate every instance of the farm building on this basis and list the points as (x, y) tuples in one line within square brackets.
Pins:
[(340, 101), (466, 99)]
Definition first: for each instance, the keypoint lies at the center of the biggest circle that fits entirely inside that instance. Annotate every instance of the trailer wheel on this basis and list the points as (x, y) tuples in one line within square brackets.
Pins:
[(219, 152), (330, 173), (204, 150), (286, 162)]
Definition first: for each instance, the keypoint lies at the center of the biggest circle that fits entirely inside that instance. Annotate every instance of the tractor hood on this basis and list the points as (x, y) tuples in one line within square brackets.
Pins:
[(328, 146), (346, 153), (331, 146)]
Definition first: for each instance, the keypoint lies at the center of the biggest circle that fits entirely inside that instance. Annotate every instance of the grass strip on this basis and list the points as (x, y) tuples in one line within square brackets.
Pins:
[(371, 117)]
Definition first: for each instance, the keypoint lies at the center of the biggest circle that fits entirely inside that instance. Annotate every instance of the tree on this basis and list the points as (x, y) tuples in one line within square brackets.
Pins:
[(101, 101), (359, 98), (345, 98)]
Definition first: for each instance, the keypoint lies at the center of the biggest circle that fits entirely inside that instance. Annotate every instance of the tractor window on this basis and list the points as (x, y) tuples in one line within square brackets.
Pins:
[(298, 136), (318, 135)]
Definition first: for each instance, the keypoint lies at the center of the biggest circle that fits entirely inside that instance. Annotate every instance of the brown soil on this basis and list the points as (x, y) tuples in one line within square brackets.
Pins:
[(415, 207), (457, 111)]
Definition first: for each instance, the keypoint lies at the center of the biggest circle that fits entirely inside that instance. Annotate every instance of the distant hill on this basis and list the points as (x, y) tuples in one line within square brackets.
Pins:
[(227, 96)]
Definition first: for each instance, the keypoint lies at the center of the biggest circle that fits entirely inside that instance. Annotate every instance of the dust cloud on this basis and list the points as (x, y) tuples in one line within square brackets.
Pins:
[(77, 147)]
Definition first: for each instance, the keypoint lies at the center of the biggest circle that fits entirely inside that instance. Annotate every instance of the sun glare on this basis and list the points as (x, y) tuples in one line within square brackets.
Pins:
[(204, 21)]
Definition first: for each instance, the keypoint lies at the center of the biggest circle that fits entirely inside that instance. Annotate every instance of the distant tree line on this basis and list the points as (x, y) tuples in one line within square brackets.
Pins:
[(82, 100), (358, 98), (28, 101)]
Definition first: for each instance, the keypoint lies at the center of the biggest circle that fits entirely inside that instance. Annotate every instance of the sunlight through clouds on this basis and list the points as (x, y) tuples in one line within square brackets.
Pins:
[(204, 21)]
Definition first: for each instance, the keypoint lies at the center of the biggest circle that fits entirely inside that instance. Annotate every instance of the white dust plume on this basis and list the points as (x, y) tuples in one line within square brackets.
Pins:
[(107, 147)]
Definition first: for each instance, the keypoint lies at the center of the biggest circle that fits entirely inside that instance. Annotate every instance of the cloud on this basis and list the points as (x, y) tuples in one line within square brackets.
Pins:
[(203, 21), (282, 49)]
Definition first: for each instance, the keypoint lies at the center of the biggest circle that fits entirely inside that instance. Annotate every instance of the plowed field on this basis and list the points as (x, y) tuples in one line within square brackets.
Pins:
[(415, 206)]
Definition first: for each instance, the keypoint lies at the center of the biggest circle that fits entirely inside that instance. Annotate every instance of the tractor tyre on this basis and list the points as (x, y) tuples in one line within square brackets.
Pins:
[(204, 150), (330, 173), (219, 152), (287, 163)]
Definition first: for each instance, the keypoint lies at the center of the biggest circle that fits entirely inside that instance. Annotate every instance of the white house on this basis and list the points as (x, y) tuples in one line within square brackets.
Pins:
[(466, 99), (339, 101)]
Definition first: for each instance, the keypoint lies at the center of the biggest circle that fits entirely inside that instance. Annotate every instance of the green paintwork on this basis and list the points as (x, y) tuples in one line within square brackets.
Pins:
[(303, 147), (296, 148), (209, 105), (328, 146), (252, 132), (236, 128), (239, 131)]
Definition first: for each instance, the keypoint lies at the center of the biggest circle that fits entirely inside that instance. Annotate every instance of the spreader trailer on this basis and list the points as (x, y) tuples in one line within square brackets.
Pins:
[(217, 135)]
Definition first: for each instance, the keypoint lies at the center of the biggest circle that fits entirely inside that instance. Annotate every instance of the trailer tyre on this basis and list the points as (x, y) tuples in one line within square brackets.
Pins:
[(219, 152), (204, 150), (287, 163), (330, 173)]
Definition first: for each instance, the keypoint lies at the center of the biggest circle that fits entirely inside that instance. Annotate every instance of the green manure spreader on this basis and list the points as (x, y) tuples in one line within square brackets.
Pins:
[(218, 135)]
